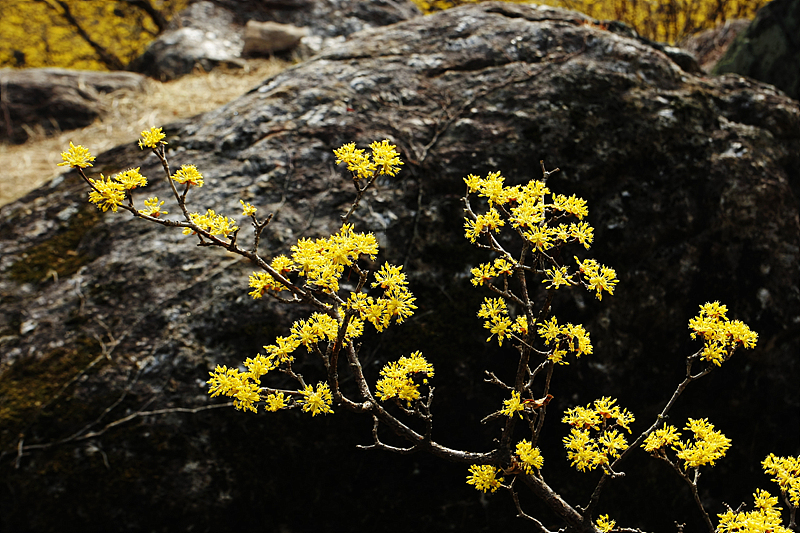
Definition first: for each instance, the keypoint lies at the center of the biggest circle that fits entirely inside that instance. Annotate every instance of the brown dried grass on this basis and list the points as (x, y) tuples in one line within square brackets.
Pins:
[(27, 166)]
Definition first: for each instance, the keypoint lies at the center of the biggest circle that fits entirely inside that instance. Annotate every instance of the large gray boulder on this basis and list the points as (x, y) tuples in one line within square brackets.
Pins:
[(46, 100), (692, 184), (769, 49), (202, 36)]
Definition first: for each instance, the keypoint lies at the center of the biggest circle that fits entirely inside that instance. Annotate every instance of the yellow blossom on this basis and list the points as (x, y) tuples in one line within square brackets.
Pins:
[(587, 451), (213, 223), (573, 205), (106, 193), (390, 276), (765, 518), (582, 417), (275, 402), (557, 277), (484, 478), (514, 405), (401, 379), (531, 457), (605, 524), (582, 450), (787, 475), (76, 157), (601, 278), (316, 401), (473, 182), (247, 209), (583, 233), (498, 322), (151, 138), (259, 365), (720, 335), (153, 207), (386, 158), (539, 238), (283, 348), (482, 273), (239, 386), (661, 438), (708, 446), (188, 174), (130, 179), (348, 153)]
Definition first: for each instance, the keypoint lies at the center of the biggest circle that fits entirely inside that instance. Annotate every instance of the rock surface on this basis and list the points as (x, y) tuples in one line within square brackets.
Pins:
[(708, 46), (692, 184), (769, 49), (53, 99), (265, 38), (201, 36), (210, 34)]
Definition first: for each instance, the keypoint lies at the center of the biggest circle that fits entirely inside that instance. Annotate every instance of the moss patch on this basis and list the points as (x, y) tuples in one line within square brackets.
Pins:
[(27, 387), (63, 253)]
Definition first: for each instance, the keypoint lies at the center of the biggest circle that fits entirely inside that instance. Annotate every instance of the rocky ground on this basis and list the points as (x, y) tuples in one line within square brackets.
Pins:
[(124, 115)]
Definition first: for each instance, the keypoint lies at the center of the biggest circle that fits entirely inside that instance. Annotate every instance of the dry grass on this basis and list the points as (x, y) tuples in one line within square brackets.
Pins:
[(27, 166)]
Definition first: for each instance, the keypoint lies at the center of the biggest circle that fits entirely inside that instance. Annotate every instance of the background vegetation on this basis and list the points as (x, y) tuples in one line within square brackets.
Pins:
[(80, 34)]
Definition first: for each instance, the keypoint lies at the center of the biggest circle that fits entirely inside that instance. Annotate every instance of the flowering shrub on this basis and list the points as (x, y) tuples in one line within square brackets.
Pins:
[(524, 230)]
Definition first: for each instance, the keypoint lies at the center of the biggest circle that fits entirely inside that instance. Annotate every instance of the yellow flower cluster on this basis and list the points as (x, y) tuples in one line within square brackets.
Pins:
[(106, 193), (490, 221), (565, 339), (212, 222), (152, 138), (109, 193), (396, 303), (599, 277), (495, 312), (587, 452), (605, 524), (309, 332), (153, 207), (316, 401), (708, 446), (526, 209), (241, 386), (385, 159), (661, 438), (787, 475), (529, 456), (76, 157), (275, 402), (484, 478), (513, 405), (720, 335), (319, 326), (263, 282), (401, 379), (322, 261), (557, 277), (484, 272), (130, 179), (247, 209), (188, 174), (765, 518)]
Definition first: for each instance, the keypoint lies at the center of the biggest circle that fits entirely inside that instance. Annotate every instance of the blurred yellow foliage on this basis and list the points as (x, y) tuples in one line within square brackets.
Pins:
[(659, 20), (57, 33)]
